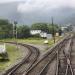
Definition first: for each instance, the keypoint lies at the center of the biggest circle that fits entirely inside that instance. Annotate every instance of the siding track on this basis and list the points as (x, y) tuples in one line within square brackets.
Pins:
[(26, 63), (41, 67)]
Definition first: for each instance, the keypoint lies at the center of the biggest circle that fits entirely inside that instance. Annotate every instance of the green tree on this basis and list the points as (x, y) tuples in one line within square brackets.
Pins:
[(23, 31), (52, 28), (40, 26), (45, 27), (5, 28), (60, 32)]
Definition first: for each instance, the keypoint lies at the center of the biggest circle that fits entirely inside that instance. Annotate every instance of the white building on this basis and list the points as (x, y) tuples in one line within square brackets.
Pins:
[(49, 36), (63, 28), (33, 32), (73, 28), (41, 33)]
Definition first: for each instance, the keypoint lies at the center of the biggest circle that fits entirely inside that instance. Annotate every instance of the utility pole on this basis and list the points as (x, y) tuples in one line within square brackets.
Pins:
[(15, 32), (53, 32), (15, 28)]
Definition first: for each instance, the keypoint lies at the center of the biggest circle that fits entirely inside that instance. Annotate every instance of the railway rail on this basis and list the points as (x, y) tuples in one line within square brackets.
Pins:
[(40, 68), (73, 56), (26, 63), (64, 66)]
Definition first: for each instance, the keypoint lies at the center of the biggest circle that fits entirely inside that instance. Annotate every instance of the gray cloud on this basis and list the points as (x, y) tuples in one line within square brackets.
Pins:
[(8, 1), (31, 11), (44, 5)]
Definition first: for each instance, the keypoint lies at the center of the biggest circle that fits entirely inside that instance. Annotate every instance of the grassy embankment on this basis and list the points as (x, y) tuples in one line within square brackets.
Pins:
[(16, 54), (13, 55), (37, 41)]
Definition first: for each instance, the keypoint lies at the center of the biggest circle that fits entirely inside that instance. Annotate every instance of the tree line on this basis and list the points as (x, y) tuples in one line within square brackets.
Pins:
[(23, 31)]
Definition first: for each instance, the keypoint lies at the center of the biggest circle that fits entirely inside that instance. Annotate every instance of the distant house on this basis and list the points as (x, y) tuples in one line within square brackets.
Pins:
[(63, 28), (73, 28), (49, 36), (41, 33), (33, 32)]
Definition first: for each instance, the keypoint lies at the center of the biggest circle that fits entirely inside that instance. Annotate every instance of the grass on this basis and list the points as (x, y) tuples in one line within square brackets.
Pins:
[(13, 55), (39, 41)]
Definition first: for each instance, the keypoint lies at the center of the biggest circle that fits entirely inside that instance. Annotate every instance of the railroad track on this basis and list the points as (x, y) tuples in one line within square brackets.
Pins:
[(26, 67), (73, 56), (64, 66), (41, 67), (26, 63)]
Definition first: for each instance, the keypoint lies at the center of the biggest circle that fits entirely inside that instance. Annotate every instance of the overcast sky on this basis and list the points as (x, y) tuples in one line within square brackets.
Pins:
[(43, 9), (6, 1), (34, 5), (45, 2)]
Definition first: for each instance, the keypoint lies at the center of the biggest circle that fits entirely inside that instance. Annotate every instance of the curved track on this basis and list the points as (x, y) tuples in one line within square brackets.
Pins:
[(40, 68), (26, 63)]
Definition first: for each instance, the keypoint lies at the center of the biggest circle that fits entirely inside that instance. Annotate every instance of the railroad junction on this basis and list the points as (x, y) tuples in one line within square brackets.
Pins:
[(58, 60)]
